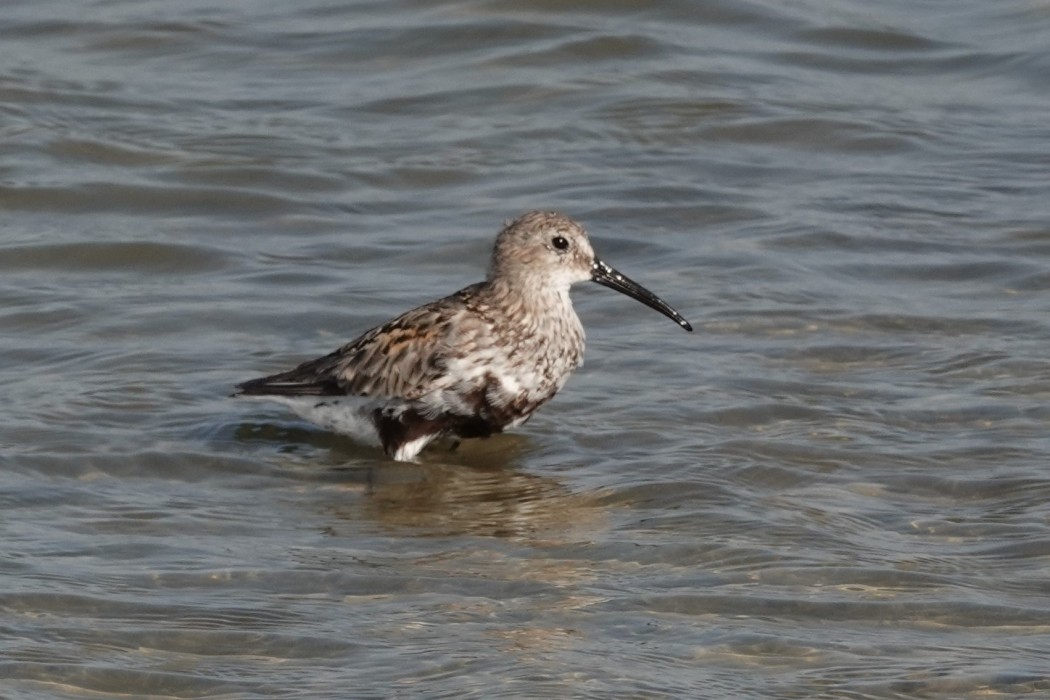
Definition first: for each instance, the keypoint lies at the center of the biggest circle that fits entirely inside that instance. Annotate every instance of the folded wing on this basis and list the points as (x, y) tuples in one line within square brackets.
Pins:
[(406, 358)]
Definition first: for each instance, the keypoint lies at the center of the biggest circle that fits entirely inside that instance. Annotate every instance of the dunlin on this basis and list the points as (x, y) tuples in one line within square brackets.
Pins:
[(472, 364)]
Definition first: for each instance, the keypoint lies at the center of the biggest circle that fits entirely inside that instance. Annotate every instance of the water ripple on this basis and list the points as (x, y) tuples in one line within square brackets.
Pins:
[(836, 487)]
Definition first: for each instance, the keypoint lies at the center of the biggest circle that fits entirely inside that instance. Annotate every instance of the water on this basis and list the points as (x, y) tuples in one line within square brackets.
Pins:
[(837, 487)]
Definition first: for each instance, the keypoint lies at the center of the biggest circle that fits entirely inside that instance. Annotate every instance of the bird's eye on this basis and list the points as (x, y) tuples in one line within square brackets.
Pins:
[(560, 243)]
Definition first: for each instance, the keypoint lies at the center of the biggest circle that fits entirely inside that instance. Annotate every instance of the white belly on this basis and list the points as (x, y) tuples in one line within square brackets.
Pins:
[(348, 415)]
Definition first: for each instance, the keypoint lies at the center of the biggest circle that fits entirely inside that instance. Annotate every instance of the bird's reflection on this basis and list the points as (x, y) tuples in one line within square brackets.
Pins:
[(476, 488)]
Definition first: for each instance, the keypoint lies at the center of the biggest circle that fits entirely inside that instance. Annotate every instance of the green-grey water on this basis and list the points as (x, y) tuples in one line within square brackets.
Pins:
[(837, 487)]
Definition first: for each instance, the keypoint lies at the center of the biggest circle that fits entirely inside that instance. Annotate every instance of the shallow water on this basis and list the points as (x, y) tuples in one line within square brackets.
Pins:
[(837, 487)]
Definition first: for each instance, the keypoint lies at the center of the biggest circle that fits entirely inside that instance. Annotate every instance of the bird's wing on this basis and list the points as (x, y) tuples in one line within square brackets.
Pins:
[(406, 358)]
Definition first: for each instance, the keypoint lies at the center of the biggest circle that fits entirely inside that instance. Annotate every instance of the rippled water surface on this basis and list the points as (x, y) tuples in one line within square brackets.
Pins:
[(838, 487)]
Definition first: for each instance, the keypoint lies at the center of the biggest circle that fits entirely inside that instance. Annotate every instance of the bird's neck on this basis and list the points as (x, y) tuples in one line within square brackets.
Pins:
[(535, 294)]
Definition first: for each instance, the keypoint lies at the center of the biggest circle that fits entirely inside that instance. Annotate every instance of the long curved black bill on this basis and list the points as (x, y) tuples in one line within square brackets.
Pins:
[(607, 276)]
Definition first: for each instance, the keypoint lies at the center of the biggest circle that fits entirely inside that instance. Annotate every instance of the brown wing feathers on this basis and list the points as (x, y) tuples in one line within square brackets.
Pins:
[(397, 360)]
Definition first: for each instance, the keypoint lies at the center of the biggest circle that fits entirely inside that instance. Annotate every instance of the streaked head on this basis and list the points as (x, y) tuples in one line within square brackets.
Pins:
[(544, 248)]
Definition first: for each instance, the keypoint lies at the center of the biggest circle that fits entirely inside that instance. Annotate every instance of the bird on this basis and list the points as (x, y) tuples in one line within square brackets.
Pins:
[(471, 364)]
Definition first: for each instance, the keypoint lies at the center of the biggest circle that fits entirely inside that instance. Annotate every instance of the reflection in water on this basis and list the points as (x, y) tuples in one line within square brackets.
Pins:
[(446, 499), (470, 488), (475, 490)]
